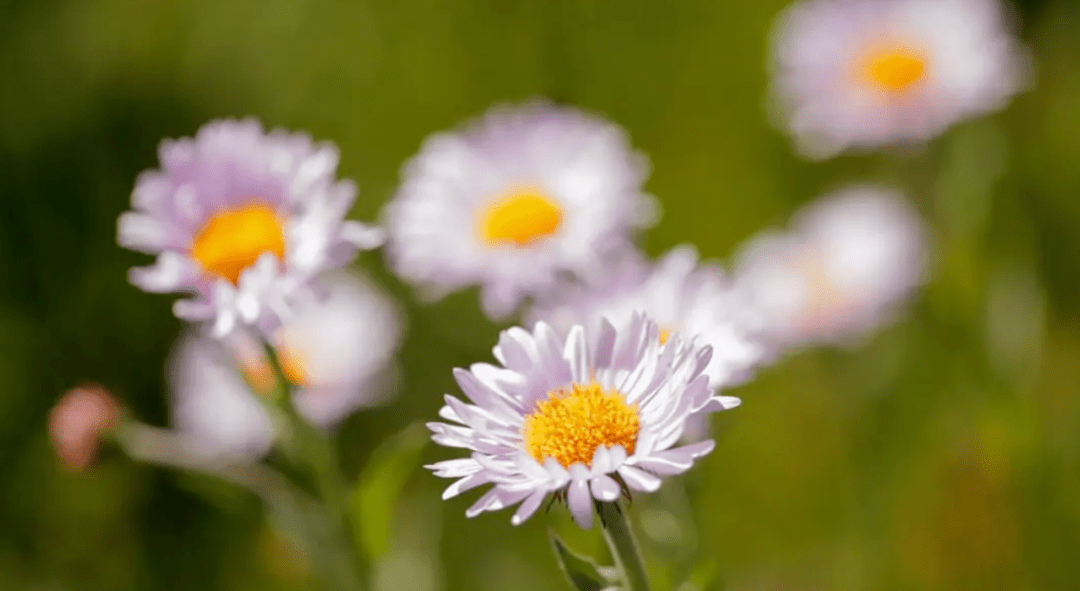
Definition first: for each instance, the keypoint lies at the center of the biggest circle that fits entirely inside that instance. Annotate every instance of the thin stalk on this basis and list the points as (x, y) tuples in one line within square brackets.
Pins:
[(313, 449), (163, 447), (294, 510), (620, 539)]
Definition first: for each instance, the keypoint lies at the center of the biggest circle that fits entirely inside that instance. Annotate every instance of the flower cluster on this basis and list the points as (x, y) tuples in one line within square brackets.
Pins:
[(606, 386)]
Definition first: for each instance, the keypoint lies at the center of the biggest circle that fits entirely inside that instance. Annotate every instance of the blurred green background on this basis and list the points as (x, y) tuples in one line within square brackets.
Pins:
[(944, 454)]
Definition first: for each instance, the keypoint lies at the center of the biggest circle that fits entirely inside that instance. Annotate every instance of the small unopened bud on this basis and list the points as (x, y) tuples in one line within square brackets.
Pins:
[(79, 420)]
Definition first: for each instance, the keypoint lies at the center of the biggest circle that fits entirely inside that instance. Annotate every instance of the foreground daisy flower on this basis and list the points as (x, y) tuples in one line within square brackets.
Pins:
[(867, 73), (679, 294), (514, 199), (336, 351), (848, 261), (243, 220), (583, 420)]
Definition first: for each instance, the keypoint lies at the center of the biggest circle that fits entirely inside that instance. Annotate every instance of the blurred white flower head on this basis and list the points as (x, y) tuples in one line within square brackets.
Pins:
[(337, 351), (513, 200), (847, 262), (679, 294), (860, 74), (583, 417), (243, 220)]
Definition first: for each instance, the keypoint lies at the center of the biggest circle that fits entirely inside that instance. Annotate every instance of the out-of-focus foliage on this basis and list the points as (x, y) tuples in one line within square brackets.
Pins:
[(944, 454)]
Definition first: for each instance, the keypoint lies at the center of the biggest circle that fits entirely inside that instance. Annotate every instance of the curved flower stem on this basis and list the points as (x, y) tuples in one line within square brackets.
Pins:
[(620, 539), (163, 447), (292, 508), (312, 448)]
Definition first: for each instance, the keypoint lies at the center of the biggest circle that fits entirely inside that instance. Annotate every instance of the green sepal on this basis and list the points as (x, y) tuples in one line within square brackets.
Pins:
[(582, 571)]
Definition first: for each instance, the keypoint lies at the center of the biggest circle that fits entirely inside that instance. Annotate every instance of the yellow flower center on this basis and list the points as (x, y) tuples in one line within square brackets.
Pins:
[(232, 240), (665, 334), (823, 295), (294, 365), (520, 217), (894, 68), (573, 422), (260, 375)]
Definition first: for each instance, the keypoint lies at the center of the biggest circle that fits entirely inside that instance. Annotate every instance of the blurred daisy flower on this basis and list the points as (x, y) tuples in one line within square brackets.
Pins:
[(678, 293), (513, 200), (839, 273), (337, 351), (583, 421), (243, 220), (866, 73)]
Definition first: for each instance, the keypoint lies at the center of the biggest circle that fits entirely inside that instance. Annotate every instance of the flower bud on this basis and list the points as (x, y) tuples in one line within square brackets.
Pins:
[(79, 421)]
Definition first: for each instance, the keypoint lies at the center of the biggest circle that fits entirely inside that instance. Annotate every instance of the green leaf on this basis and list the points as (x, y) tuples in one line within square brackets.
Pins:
[(582, 571), (381, 481)]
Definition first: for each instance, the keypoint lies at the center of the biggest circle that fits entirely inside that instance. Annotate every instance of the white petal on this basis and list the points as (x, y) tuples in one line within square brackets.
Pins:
[(605, 488), (363, 236), (528, 507), (577, 353), (580, 501), (466, 483), (639, 480), (170, 272), (141, 232)]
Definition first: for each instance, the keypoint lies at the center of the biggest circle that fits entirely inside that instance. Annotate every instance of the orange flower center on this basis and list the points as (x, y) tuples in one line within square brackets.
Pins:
[(520, 217), (233, 239), (260, 374), (573, 422), (894, 68), (665, 334)]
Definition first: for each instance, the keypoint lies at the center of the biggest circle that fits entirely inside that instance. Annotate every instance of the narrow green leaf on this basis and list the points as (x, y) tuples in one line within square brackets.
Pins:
[(582, 571), (381, 481)]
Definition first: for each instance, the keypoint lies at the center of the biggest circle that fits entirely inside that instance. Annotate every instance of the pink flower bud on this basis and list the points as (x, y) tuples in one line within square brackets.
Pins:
[(78, 421)]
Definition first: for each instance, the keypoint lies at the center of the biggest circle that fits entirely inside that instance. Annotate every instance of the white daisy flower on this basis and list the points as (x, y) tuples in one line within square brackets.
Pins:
[(337, 351), (840, 272), (678, 293), (243, 220), (866, 73), (513, 200), (562, 416)]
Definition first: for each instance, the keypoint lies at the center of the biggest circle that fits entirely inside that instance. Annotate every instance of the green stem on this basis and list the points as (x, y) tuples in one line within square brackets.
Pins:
[(163, 447), (311, 447), (291, 507), (620, 539)]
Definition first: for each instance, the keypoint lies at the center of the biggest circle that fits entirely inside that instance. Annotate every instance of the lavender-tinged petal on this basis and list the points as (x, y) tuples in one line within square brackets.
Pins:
[(601, 460), (363, 236), (193, 310), (677, 460), (448, 413), (454, 468), (496, 499), (578, 497), (617, 455), (577, 354), (605, 344), (141, 232), (482, 392), (168, 273), (605, 488), (467, 483), (720, 403), (558, 474), (516, 349), (528, 507), (490, 501), (639, 480)]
